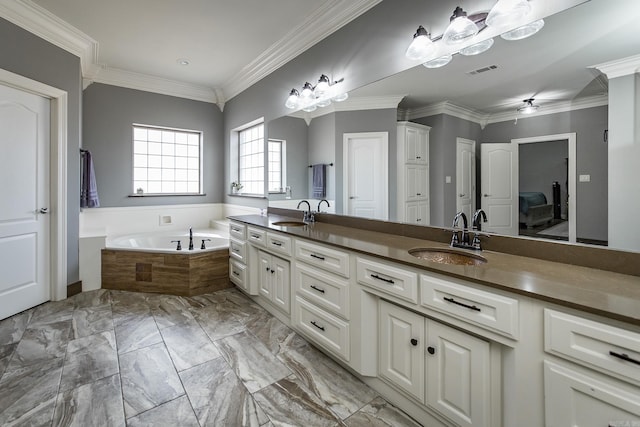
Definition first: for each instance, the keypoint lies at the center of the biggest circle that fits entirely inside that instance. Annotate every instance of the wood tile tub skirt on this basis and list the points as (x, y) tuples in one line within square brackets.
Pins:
[(185, 274)]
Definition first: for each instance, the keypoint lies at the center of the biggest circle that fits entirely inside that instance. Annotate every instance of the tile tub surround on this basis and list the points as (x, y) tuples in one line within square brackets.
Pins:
[(185, 274), (601, 292), (216, 359)]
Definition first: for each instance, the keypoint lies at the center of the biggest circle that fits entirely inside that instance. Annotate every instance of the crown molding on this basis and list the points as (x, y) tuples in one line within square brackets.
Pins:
[(446, 107), (352, 104), (620, 67), (327, 19), (145, 82)]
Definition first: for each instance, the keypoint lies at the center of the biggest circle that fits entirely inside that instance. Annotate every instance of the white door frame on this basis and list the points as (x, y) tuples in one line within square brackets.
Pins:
[(58, 178), (385, 166), (571, 138), (473, 173)]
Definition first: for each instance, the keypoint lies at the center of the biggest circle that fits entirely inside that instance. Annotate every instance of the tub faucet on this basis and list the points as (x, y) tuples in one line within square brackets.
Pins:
[(308, 215), (191, 238), (202, 246), (179, 247), (320, 202)]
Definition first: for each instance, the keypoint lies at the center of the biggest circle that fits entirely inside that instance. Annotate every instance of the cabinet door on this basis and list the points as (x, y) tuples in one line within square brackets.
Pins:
[(412, 142), (281, 284), (401, 351), (422, 149), (574, 398), (417, 213), (264, 274), (458, 375), (416, 183)]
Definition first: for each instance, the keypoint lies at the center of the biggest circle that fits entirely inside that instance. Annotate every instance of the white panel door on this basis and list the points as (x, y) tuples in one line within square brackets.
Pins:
[(466, 176), (25, 275), (264, 275), (366, 175), (500, 187), (281, 285)]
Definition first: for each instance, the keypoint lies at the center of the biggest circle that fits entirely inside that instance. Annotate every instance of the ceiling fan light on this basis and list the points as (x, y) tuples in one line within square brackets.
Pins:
[(460, 29), (524, 31), (506, 13), (529, 107), (477, 48), (438, 62), (421, 47), (293, 100)]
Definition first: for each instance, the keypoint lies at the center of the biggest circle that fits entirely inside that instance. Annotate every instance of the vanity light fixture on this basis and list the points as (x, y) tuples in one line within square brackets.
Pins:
[(438, 62), (460, 28), (524, 31), (528, 107), (507, 13), (477, 49), (310, 97), (421, 47)]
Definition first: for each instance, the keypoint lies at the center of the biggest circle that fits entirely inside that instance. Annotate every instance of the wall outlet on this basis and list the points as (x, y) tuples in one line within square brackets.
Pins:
[(584, 178), (165, 220)]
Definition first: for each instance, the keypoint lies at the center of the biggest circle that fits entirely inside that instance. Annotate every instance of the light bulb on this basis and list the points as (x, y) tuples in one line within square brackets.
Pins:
[(525, 31), (421, 47), (460, 29), (477, 48), (438, 62), (507, 13)]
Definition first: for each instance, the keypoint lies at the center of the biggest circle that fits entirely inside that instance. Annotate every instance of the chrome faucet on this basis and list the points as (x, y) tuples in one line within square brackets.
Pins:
[(320, 202), (477, 227), (464, 241), (308, 215), (190, 238)]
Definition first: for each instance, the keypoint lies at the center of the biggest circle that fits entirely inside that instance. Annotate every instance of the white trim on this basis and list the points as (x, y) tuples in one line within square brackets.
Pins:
[(59, 120), (385, 168), (446, 107), (460, 140), (571, 138), (620, 67)]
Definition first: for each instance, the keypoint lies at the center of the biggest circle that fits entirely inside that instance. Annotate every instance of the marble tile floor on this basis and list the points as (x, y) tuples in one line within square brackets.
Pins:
[(113, 358)]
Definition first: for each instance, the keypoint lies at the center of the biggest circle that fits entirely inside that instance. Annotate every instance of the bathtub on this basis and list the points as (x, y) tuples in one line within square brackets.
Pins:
[(162, 242), (149, 262)]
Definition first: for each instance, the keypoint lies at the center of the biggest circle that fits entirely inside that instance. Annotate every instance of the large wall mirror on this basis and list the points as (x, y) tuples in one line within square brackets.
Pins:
[(469, 110)]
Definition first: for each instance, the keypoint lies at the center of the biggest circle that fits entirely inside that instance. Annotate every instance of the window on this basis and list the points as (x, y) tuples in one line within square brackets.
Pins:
[(166, 161), (276, 165), (251, 159)]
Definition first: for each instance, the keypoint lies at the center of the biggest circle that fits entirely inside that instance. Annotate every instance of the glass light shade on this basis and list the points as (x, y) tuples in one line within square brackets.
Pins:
[(525, 31), (322, 87), (507, 13), (292, 100), (421, 47), (438, 62), (309, 108), (477, 48), (528, 107), (341, 97), (324, 103), (460, 29), (307, 91)]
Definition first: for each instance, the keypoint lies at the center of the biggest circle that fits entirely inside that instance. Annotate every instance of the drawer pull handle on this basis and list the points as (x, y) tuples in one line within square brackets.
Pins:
[(255, 236), (313, 322), (375, 276), (414, 341), (321, 258), (236, 273), (276, 243), (317, 289), (624, 357), (236, 250), (470, 307)]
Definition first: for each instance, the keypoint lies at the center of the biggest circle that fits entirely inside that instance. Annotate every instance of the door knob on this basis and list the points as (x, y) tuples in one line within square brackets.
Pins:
[(414, 341), (353, 197), (461, 195), (431, 350), (487, 195), (43, 210)]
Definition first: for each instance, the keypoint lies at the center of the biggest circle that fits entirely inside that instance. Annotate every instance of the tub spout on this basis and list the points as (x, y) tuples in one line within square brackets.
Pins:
[(190, 238)]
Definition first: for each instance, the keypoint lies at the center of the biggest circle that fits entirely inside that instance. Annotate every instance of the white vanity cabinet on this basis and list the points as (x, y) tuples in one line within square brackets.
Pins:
[(600, 385), (274, 282), (413, 173), (442, 367)]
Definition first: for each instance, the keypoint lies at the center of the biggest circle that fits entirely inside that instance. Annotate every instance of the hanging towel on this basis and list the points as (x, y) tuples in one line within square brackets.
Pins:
[(88, 186), (319, 181)]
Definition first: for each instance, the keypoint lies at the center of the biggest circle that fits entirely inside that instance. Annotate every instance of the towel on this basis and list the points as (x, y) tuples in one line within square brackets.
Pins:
[(319, 181), (88, 186)]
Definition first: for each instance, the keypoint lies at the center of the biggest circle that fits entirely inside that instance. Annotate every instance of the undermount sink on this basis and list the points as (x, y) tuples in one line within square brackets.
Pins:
[(289, 223), (447, 256)]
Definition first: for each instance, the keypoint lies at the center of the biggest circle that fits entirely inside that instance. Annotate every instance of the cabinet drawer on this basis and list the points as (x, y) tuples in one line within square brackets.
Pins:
[(597, 345), (329, 259), (237, 230), (279, 243), (485, 309), (323, 289), (323, 328), (388, 279), (257, 236), (238, 250), (237, 273)]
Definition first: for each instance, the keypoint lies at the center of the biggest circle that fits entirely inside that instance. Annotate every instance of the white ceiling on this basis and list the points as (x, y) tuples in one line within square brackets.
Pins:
[(553, 66), (230, 44)]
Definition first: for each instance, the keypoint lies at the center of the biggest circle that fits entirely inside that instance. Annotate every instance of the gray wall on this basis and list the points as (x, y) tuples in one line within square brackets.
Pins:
[(23, 53), (442, 162), (110, 111), (541, 164), (294, 131), (592, 153)]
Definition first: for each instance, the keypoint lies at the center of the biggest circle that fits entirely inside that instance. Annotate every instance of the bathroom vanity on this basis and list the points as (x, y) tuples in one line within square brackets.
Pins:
[(509, 341)]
